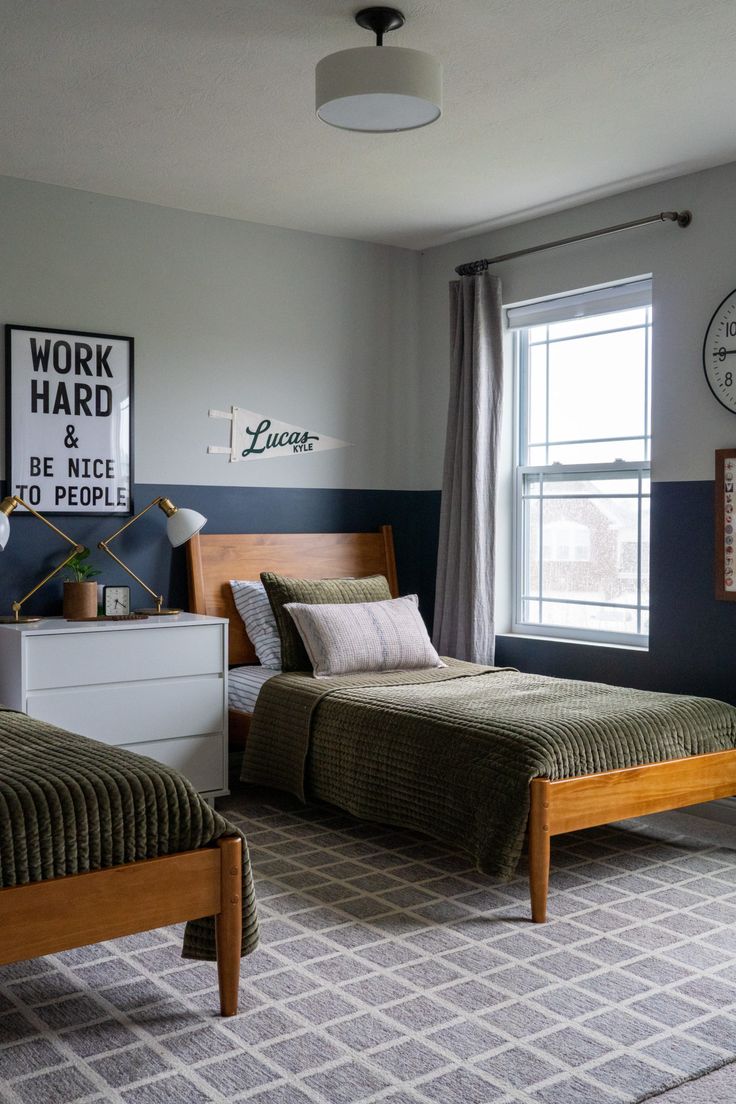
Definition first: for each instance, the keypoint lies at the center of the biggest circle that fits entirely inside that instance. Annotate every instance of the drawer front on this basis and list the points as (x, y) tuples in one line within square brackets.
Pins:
[(200, 758), (125, 655), (129, 714)]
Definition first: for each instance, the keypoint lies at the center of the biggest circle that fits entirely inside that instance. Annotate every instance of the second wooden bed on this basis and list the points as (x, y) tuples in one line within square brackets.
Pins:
[(97, 842), (555, 806), (44, 918)]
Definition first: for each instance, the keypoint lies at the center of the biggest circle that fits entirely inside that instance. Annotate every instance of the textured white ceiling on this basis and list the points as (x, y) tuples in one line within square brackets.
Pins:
[(208, 105)]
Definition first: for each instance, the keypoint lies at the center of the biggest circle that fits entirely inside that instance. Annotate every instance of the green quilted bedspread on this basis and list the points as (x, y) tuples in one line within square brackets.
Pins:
[(69, 805), (452, 752)]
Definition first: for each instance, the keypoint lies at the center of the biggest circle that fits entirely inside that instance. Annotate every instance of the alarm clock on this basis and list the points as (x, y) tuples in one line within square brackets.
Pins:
[(719, 353), (116, 600)]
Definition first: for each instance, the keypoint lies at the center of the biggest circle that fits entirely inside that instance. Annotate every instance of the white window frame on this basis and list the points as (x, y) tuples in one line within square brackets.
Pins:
[(634, 469)]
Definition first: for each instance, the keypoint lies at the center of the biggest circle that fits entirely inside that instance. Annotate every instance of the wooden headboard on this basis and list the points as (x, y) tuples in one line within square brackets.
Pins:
[(213, 559)]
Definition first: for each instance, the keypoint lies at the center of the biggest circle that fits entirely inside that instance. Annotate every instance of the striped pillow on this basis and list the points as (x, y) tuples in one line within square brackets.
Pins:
[(254, 607), (364, 636)]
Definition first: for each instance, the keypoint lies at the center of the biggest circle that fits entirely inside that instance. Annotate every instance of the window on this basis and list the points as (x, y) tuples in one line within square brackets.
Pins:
[(567, 540), (583, 371)]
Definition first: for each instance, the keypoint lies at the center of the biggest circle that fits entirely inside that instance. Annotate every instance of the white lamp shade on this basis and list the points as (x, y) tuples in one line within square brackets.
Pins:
[(379, 88), (182, 525), (4, 530)]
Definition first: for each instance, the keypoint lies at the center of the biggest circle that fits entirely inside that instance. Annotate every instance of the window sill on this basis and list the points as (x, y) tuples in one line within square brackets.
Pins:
[(578, 643)]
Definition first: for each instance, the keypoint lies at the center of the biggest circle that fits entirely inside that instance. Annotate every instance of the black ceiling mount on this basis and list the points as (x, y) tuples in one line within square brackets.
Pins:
[(380, 20)]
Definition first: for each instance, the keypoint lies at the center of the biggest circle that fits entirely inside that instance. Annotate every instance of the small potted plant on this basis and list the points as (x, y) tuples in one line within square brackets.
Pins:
[(80, 593)]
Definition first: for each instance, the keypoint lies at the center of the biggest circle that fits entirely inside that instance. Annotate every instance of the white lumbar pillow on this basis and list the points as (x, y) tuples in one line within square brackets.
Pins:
[(364, 636)]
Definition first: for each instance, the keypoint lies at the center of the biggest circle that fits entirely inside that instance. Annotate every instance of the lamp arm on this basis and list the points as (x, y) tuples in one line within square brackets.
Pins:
[(103, 545), (17, 501), (78, 549), (8, 505), (128, 523)]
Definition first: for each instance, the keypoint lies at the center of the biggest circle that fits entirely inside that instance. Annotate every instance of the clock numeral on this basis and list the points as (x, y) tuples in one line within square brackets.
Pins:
[(719, 353)]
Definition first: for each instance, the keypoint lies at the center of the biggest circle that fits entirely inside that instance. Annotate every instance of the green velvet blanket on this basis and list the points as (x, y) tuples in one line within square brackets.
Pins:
[(69, 805), (452, 752)]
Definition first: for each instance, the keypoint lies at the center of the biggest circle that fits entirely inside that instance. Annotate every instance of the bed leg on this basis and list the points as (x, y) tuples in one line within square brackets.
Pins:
[(539, 848), (229, 922)]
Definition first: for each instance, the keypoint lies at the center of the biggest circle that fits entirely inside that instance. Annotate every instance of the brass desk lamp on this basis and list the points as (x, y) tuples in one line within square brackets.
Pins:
[(6, 509), (181, 525)]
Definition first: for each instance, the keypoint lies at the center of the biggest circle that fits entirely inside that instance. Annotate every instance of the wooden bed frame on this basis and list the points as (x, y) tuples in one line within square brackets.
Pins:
[(213, 559), (56, 915), (555, 807)]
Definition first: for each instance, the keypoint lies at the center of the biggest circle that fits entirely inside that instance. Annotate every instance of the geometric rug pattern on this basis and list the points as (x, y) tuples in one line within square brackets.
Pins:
[(390, 971)]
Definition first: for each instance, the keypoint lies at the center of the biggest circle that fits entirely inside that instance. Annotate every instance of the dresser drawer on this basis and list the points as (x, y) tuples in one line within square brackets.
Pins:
[(129, 714), (156, 686), (87, 658), (200, 758)]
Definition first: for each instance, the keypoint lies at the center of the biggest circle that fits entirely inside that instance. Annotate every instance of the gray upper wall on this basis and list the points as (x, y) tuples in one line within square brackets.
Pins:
[(346, 338), (693, 271), (313, 330)]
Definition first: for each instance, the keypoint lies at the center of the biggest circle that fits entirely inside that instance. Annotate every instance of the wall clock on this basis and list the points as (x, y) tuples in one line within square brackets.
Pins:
[(719, 353)]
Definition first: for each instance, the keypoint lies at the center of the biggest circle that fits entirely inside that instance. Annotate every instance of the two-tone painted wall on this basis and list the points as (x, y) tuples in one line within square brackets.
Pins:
[(351, 340), (692, 636), (316, 331)]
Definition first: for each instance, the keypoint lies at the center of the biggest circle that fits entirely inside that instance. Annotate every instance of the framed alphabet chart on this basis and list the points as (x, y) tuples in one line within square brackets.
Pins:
[(69, 420), (725, 521)]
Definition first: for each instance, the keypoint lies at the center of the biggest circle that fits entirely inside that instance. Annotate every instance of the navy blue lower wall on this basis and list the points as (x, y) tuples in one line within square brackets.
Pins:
[(693, 636), (32, 549)]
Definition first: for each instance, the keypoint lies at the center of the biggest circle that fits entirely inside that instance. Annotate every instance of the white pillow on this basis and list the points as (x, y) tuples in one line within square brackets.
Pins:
[(254, 607), (364, 636)]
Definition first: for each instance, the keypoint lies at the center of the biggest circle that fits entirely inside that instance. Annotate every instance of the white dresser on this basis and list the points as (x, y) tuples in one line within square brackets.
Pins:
[(158, 687)]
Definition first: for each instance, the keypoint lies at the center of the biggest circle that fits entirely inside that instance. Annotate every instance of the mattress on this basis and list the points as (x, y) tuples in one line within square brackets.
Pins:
[(244, 686)]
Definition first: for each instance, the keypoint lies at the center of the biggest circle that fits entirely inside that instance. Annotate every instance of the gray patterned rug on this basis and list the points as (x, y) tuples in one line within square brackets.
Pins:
[(390, 971)]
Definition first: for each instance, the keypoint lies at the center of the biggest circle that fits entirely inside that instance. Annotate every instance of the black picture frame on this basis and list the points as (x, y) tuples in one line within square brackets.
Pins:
[(16, 457)]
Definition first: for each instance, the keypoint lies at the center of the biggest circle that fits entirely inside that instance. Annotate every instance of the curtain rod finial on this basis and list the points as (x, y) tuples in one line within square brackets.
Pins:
[(473, 268), (682, 218)]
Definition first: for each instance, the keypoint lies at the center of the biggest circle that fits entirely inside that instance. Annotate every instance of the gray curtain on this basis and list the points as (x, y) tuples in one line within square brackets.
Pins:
[(463, 615)]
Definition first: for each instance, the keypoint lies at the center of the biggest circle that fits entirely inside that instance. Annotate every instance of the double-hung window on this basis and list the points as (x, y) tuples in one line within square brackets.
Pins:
[(581, 530)]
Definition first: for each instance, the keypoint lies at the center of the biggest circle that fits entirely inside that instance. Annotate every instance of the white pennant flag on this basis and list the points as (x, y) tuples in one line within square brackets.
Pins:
[(255, 436)]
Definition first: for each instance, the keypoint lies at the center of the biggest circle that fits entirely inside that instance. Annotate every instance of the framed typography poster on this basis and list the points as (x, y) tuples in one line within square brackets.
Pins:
[(69, 416), (725, 521)]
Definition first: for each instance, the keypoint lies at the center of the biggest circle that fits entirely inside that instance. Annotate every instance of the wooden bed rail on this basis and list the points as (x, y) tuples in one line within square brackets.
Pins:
[(56, 915), (583, 802)]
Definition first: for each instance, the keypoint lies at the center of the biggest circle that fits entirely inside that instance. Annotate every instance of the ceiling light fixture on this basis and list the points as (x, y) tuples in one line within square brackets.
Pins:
[(379, 90)]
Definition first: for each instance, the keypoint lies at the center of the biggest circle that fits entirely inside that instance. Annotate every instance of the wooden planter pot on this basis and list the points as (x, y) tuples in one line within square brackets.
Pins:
[(80, 600)]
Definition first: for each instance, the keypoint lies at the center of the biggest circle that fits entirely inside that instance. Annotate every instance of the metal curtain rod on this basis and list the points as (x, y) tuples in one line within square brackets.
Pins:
[(474, 268)]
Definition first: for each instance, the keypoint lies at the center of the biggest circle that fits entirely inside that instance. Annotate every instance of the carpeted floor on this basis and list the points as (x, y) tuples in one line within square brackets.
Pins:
[(718, 1087), (390, 971)]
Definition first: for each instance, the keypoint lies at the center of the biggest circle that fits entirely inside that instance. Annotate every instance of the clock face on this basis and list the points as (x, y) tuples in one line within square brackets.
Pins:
[(116, 600), (719, 353)]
